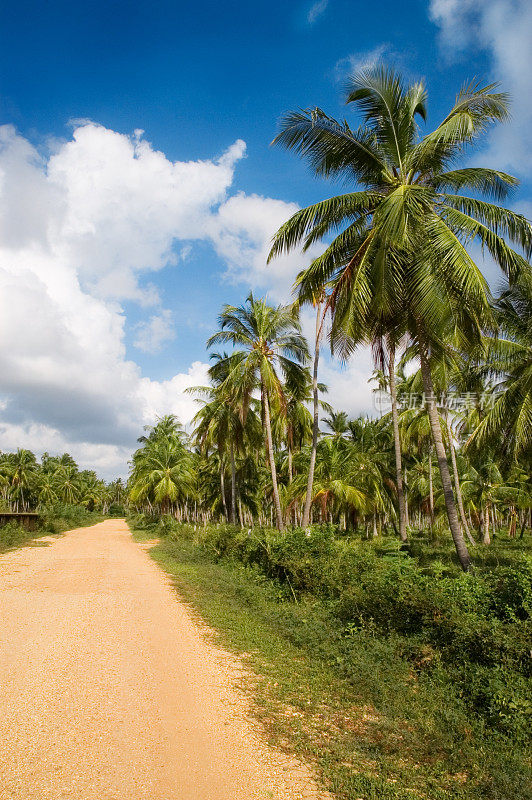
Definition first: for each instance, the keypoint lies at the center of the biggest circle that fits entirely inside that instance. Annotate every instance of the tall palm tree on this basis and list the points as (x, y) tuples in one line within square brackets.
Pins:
[(318, 301), (47, 489), (397, 441), (221, 422), (270, 347), (401, 247)]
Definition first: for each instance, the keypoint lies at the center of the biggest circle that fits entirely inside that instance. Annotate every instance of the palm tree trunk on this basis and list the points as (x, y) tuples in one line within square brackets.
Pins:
[(486, 525), (222, 489), (406, 501), (397, 443), (269, 441), (456, 479), (434, 419), (431, 490), (315, 420), (233, 484), (290, 475)]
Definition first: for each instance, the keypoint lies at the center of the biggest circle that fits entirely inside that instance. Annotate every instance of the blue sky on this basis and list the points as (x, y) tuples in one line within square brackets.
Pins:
[(196, 78)]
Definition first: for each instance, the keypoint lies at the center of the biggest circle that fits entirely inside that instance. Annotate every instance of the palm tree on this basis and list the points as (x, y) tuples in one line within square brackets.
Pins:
[(401, 250), (338, 424), (384, 347), (397, 442), (221, 422), (47, 489), (22, 470), (162, 472), (270, 344), (508, 422), (485, 488), (166, 427), (67, 482)]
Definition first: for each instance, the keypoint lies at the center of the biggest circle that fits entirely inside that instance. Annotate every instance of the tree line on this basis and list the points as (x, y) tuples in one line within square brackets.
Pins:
[(27, 484), (397, 273)]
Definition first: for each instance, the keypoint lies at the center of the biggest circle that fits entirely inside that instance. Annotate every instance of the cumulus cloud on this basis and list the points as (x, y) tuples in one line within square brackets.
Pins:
[(79, 227), (242, 233), (504, 29), (348, 387), (82, 227)]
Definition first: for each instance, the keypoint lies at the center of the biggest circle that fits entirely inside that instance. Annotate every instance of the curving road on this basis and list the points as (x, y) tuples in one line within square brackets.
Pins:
[(109, 691)]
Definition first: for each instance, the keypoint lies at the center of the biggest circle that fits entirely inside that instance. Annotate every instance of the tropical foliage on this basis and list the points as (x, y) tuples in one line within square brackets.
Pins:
[(27, 484)]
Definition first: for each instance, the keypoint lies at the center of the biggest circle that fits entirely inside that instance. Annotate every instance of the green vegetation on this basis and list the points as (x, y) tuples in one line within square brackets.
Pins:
[(395, 673), (54, 519), (29, 485), (455, 449), (376, 572), (387, 615), (64, 496)]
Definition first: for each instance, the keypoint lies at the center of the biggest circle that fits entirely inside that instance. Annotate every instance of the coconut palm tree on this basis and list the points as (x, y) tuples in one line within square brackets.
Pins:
[(68, 483), (270, 347), (163, 470), (338, 424), (21, 468), (508, 420), (47, 489), (401, 249), (221, 421)]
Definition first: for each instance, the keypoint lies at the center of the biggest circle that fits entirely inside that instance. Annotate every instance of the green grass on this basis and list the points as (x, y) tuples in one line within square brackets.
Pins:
[(53, 522), (379, 714)]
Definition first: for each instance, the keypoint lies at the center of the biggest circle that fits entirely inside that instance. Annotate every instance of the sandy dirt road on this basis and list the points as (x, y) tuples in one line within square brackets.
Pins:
[(109, 691)]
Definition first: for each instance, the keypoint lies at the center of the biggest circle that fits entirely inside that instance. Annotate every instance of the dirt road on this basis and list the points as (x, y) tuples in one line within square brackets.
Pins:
[(109, 691)]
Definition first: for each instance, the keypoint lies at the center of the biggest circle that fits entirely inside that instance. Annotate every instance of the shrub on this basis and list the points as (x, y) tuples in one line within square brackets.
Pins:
[(13, 534), (475, 627)]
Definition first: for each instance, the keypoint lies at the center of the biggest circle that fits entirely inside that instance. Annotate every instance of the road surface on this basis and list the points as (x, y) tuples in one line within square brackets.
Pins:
[(110, 691)]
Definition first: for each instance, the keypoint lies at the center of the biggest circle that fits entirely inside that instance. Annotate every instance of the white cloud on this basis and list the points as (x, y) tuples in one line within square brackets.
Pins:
[(154, 333), (242, 233), (82, 227), (78, 228), (316, 10), (348, 386), (126, 203), (503, 28)]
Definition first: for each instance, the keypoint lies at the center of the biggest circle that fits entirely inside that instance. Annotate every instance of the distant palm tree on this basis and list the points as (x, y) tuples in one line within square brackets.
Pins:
[(221, 422), (338, 424), (21, 468), (47, 489), (509, 359), (166, 427), (163, 472), (68, 484), (270, 346), (401, 247)]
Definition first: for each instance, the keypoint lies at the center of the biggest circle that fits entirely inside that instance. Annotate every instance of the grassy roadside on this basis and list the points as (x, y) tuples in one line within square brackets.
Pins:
[(54, 522), (348, 700)]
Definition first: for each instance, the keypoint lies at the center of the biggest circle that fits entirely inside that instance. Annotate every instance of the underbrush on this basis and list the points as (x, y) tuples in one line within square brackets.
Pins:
[(399, 674), (52, 520)]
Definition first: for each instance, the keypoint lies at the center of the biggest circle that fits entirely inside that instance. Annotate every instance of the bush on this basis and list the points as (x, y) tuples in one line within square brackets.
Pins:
[(117, 510), (13, 535), (475, 627)]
